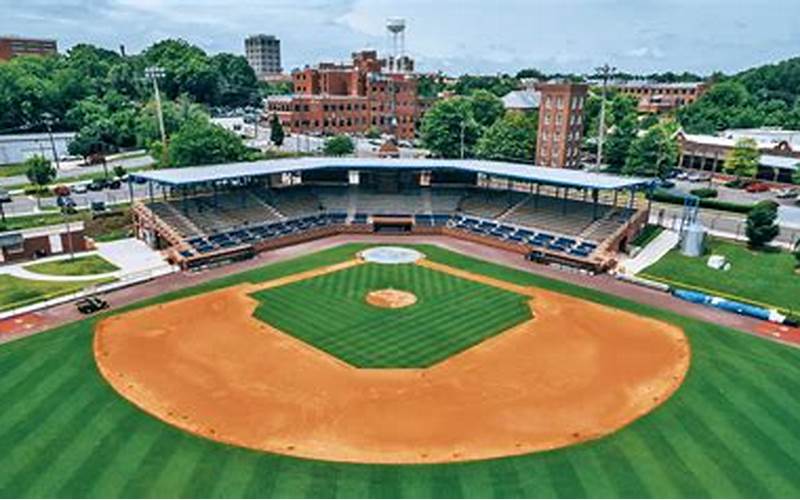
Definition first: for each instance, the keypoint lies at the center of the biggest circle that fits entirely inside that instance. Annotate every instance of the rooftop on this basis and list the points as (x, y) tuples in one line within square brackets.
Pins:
[(522, 99), (543, 175)]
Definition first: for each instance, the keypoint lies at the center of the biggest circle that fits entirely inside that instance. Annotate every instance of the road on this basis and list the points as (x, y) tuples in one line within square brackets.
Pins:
[(70, 170)]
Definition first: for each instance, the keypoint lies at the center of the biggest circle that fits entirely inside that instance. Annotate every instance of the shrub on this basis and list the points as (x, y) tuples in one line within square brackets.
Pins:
[(762, 227), (665, 197), (704, 192)]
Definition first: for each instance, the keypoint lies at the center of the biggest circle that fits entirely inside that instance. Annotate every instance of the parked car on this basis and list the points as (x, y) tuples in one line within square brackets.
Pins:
[(666, 184), (91, 304), (81, 188), (682, 176), (61, 190), (97, 185), (787, 193), (114, 184), (757, 187)]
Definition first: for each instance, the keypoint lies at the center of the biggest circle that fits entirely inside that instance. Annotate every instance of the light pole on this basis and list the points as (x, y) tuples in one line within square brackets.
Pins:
[(463, 127), (47, 119), (605, 72), (153, 73)]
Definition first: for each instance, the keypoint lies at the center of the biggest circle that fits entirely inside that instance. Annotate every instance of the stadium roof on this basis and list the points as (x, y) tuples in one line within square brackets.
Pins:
[(515, 171)]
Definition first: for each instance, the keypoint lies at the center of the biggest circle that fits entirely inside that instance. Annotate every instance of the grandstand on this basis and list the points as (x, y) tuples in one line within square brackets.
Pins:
[(223, 213)]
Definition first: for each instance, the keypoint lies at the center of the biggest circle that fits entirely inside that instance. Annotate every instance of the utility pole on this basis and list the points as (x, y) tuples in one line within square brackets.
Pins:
[(153, 73), (605, 71), (463, 126), (47, 119)]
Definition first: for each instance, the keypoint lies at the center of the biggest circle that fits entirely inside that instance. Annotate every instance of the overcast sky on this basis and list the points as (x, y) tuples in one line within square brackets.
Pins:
[(454, 36)]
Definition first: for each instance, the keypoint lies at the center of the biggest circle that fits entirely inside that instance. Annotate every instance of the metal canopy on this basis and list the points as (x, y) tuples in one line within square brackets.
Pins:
[(515, 171)]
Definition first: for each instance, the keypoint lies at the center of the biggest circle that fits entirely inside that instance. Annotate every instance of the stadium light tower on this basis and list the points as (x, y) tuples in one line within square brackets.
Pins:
[(153, 73), (606, 72)]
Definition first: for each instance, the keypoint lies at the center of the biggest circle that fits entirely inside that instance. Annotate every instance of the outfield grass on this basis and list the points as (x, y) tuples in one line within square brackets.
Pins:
[(766, 278), (451, 314), (16, 292), (79, 266), (730, 431)]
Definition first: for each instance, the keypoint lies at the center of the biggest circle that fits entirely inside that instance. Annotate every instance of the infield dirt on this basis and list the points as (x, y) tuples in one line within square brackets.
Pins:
[(576, 371)]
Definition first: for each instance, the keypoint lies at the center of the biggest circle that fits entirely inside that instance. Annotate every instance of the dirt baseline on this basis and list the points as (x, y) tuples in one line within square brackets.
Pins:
[(575, 372)]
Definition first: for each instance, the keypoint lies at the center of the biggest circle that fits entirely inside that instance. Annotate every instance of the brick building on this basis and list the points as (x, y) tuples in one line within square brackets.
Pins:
[(661, 97), (11, 47), (780, 151), (38, 242), (351, 98), (560, 132)]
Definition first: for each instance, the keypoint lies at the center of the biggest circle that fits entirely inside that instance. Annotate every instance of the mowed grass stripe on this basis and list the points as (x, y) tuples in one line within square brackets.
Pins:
[(735, 428), (68, 452), (712, 448)]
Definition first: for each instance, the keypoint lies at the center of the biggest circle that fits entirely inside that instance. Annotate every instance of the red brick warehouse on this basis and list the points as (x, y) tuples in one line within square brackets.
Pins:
[(351, 98)]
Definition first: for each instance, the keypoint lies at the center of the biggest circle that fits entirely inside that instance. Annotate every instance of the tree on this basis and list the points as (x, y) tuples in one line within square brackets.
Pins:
[(442, 128), (486, 107), (654, 154), (373, 132), (743, 159), (619, 142), (276, 133), (339, 145), (119, 171), (200, 142), (512, 137), (796, 174), (761, 226), (40, 172)]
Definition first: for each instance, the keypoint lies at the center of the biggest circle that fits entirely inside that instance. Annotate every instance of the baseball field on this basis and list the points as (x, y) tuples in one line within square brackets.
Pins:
[(729, 430)]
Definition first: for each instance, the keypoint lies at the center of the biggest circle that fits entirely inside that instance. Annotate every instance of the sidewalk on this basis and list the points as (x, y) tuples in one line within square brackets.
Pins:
[(652, 253)]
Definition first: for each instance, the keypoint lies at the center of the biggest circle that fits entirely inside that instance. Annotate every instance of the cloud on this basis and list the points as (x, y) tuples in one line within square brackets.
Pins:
[(451, 35)]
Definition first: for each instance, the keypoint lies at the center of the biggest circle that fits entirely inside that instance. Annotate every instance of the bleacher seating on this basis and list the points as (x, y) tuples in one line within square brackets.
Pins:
[(239, 218)]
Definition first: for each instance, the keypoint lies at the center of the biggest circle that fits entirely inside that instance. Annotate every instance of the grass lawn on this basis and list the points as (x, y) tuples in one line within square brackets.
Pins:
[(79, 266), (648, 234), (730, 431), (451, 314), (16, 292), (761, 277), (13, 170), (108, 228)]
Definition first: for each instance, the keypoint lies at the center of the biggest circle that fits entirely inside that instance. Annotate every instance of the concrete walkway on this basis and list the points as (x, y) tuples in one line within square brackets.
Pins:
[(651, 254), (130, 255)]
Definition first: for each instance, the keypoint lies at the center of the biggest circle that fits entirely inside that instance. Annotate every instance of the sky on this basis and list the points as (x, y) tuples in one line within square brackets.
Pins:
[(453, 36)]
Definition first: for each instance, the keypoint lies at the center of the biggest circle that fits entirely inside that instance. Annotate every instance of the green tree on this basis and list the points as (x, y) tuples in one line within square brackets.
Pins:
[(654, 154), (119, 171), (442, 128), (373, 132), (339, 145), (40, 173), (200, 142), (486, 107), (761, 226), (796, 174), (618, 143), (276, 133), (238, 84), (512, 137), (743, 159)]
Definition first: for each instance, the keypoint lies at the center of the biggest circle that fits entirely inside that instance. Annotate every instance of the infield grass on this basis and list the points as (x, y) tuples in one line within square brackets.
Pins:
[(451, 314), (731, 430)]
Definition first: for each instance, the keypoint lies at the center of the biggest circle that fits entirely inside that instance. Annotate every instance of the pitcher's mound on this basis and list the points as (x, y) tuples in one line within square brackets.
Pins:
[(391, 299)]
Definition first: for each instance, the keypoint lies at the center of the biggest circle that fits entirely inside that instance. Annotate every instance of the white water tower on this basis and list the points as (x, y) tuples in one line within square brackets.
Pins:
[(396, 27)]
